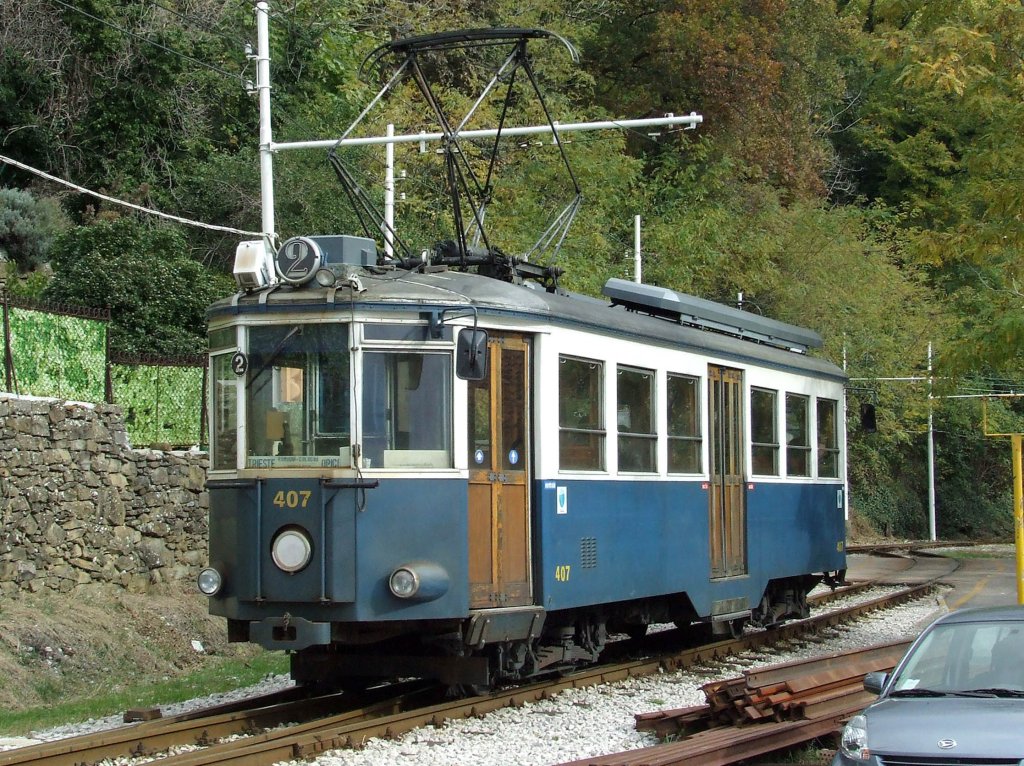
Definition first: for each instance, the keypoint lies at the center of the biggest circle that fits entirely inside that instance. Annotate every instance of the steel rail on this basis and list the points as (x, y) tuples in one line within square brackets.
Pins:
[(203, 726)]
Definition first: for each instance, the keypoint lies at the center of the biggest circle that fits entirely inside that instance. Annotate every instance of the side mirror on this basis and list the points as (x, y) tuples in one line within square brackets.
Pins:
[(867, 418), (471, 354), (874, 682)]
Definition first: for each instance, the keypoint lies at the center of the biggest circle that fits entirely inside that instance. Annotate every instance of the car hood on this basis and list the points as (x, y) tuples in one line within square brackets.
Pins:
[(980, 727)]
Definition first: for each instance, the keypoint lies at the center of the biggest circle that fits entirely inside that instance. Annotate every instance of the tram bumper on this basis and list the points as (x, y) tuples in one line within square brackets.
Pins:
[(287, 632)]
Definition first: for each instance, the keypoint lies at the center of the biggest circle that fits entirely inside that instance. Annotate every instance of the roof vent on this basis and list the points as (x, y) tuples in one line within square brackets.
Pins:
[(708, 315)]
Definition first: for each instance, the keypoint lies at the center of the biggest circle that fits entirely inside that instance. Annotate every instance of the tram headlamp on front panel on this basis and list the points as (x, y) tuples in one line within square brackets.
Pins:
[(291, 549), (209, 581), (418, 581)]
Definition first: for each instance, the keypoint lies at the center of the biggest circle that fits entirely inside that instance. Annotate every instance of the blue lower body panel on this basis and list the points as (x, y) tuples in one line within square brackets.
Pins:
[(359, 537), (594, 542), (609, 541)]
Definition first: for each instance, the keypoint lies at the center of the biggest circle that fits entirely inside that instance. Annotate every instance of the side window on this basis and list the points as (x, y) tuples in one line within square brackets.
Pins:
[(581, 432), (798, 436), (638, 440), (684, 434), (224, 420), (828, 439), (407, 417), (764, 431)]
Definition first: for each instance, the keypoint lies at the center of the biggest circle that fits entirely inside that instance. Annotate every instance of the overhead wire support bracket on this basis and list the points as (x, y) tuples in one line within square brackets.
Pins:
[(470, 194)]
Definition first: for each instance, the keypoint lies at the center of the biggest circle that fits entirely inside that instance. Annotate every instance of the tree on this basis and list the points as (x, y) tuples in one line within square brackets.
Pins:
[(765, 75), (939, 136), (157, 295), (27, 228)]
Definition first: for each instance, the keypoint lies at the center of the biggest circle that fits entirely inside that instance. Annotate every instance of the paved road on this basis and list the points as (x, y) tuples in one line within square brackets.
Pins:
[(989, 581)]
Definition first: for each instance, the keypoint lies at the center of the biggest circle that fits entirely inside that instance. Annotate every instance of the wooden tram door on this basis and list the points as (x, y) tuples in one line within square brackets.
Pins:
[(727, 505), (499, 477)]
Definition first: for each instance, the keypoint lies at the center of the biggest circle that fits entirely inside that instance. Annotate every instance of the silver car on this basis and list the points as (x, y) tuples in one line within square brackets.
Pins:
[(956, 697)]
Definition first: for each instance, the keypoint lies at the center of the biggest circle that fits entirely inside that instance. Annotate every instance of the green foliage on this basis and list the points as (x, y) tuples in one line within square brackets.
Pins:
[(30, 286), (25, 90), (27, 228), (974, 494), (939, 134), (157, 295), (68, 702), (764, 74)]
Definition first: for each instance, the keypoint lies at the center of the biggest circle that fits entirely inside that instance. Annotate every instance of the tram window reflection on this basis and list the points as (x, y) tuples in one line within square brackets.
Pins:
[(406, 410)]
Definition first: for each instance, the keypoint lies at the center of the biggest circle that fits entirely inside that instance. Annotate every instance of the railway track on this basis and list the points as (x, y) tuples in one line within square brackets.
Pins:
[(343, 720)]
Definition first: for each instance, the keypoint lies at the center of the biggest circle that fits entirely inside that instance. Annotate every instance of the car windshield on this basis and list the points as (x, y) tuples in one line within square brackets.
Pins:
[(984, 658)]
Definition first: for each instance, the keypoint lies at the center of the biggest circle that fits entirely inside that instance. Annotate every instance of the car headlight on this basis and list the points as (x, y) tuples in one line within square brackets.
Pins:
[(291, 550), (209, 581), (854, 742)]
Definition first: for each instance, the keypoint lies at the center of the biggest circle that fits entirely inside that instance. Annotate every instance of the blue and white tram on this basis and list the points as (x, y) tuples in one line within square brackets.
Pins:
[(435, 473)]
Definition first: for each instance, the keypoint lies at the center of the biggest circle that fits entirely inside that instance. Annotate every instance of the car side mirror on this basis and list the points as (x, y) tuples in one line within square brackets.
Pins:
[(874, 682), (471, 354)]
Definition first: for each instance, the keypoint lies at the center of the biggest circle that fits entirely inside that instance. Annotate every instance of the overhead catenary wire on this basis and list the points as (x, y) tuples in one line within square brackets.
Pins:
[(125, 203)]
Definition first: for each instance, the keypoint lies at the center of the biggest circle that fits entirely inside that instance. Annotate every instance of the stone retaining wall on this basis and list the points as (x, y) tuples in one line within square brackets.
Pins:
[(78, 505)]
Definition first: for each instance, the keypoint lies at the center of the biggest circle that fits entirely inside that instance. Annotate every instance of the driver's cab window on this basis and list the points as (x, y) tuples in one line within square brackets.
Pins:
[(297, 396), (406, 409)]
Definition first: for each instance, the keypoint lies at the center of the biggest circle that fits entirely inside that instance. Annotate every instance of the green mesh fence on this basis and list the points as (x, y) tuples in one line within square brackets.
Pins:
[(61, 352), (162, 403), (57, 355)]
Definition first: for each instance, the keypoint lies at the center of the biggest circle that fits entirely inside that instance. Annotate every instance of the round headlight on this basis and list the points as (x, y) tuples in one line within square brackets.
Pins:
[(404, 583), (326, 277), (291, 550), (209, 581), (854, 742)]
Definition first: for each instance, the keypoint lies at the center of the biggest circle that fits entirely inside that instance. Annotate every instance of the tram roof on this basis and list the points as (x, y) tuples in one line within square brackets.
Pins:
[(425, 292)]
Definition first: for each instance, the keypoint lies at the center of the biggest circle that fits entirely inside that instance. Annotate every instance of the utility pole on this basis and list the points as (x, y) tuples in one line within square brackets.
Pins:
[(266, 140), (931, 452), (389, 194)]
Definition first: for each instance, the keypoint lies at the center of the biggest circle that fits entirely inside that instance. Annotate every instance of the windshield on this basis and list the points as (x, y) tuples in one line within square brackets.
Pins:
[(297, 384), (297, 396), (965, 657)]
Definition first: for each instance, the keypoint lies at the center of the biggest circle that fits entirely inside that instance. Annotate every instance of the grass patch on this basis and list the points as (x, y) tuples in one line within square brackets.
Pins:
[(964, 553), (219, 674)]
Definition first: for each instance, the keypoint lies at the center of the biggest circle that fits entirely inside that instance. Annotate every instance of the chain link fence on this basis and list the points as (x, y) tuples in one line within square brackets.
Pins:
[(63, 352), (161, 398)]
